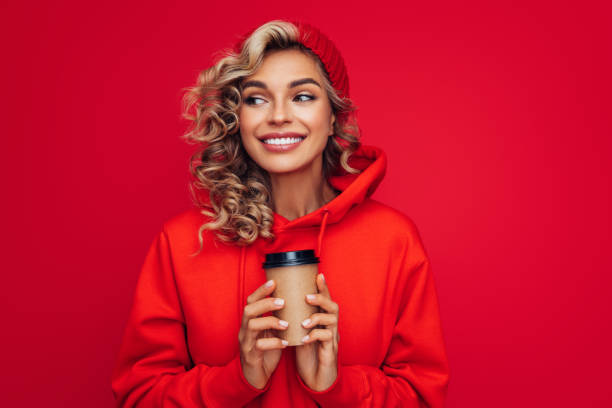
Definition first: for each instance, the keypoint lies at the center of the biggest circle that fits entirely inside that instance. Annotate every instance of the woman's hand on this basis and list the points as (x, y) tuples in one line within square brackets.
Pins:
[(317, 359), (260, 351)]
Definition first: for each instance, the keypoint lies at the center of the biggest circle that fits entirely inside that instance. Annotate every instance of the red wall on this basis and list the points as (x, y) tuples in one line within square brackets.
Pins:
[(496, 120)]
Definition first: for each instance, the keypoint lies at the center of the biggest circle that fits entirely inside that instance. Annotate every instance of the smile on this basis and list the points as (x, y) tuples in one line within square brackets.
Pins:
[(282, 144)]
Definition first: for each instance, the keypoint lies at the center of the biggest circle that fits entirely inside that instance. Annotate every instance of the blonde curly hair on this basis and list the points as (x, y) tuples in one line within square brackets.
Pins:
[(239, 189)]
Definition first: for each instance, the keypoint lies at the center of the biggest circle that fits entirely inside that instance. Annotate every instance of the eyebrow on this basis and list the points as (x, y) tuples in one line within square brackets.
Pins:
[(292, 84)]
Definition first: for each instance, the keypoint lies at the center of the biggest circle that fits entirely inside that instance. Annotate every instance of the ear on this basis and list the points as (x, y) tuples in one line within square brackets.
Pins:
[(331, 125)]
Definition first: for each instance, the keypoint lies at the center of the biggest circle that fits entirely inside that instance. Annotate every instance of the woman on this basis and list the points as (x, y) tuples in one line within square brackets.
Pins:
[(281, 168)]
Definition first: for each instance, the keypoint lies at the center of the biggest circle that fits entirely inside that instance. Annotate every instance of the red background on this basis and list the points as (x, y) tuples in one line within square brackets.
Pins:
[(495, 118)]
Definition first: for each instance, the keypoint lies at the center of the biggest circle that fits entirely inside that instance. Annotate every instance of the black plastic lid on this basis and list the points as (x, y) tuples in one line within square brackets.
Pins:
[(302, 257)]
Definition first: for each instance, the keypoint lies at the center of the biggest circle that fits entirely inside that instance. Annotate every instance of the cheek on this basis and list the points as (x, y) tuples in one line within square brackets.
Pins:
[(249, 121), (243, 120), (247, 125), (320, 119)]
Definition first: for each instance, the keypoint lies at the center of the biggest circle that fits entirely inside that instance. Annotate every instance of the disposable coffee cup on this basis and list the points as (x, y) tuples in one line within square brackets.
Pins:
[(295, 274)]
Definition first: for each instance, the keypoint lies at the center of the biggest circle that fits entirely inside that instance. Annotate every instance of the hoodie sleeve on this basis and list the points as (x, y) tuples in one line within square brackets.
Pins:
[(154, 368), (415, 371)]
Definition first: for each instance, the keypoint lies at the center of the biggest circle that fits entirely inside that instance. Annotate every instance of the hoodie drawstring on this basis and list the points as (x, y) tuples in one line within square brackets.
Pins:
[(242, 273), (241, 279), (321, 231)]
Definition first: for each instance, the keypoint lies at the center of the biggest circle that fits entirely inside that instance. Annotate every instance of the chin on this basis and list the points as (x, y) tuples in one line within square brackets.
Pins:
[(284, 167)]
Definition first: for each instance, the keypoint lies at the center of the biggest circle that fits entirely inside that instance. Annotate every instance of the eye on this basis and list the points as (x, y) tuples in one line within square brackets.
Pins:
[(309, 97), (251, 100)]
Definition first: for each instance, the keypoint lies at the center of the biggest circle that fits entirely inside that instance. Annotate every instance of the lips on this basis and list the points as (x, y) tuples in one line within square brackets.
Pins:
[(281, 142)]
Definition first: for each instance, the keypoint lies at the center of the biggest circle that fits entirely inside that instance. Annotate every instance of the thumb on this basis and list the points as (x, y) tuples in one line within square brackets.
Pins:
[(322, 285)]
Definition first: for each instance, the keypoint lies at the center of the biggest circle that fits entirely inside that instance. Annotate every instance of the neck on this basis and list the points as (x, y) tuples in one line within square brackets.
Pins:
[(301, 192)]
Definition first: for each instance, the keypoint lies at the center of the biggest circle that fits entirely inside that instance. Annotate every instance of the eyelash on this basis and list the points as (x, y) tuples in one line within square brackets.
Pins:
[(249, 100)]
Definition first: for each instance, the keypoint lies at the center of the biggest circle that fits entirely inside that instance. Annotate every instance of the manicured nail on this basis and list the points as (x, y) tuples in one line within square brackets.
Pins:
[(323, 277), (305, 338), (283, 323), (269, 283), (285, 342), (279, 302), (306, 322), (310, 297)]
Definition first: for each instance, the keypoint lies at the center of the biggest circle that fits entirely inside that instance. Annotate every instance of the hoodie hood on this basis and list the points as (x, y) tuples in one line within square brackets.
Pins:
[(355, 188)]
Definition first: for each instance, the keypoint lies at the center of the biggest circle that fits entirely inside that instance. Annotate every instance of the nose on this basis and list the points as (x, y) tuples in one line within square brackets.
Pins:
[(280, 114)]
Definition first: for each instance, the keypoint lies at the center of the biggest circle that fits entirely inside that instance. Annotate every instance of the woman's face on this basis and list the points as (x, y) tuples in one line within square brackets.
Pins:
[(285, 116)]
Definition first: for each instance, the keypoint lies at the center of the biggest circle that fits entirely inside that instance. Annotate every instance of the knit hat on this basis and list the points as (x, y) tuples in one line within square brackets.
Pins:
[(322, 46)]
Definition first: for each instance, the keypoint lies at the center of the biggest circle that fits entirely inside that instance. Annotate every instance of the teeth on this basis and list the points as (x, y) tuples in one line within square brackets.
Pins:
[(284, 140)]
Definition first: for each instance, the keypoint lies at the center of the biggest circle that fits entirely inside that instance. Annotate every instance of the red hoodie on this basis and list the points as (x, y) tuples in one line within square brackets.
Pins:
[(180, 346)]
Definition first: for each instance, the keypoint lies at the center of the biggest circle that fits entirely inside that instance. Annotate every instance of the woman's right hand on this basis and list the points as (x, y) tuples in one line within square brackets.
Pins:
[(260, 351)]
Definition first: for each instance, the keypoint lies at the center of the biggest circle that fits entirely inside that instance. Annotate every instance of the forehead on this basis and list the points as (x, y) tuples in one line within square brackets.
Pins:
[(284, 65)]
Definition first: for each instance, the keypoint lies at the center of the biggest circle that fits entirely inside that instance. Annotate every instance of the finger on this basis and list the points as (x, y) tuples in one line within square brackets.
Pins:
[(262, 291), (318, 335), (268, 322), (325, 302), (324, 319), (270, 343), (259, 293), (322, 285), (253, 310)]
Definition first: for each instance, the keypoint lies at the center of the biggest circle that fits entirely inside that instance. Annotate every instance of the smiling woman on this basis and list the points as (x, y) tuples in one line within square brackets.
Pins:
[(274, 90), (280, 167)]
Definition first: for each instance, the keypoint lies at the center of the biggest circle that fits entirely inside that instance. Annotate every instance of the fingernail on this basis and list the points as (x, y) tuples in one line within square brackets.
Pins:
[(323, 277), (283, 323), (269, 283), (306, 322), (285, 342), (305, 338), (279, 302), (310, 297)]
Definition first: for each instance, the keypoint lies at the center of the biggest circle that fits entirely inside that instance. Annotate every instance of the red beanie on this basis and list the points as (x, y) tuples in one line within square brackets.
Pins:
[(322, 46)]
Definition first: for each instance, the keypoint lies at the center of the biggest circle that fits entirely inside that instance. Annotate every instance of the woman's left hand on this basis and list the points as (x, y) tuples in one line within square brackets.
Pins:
[(317, 358)]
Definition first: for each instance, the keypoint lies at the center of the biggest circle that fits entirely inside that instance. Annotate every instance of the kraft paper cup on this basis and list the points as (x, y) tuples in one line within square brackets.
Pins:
[(295, 274)]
